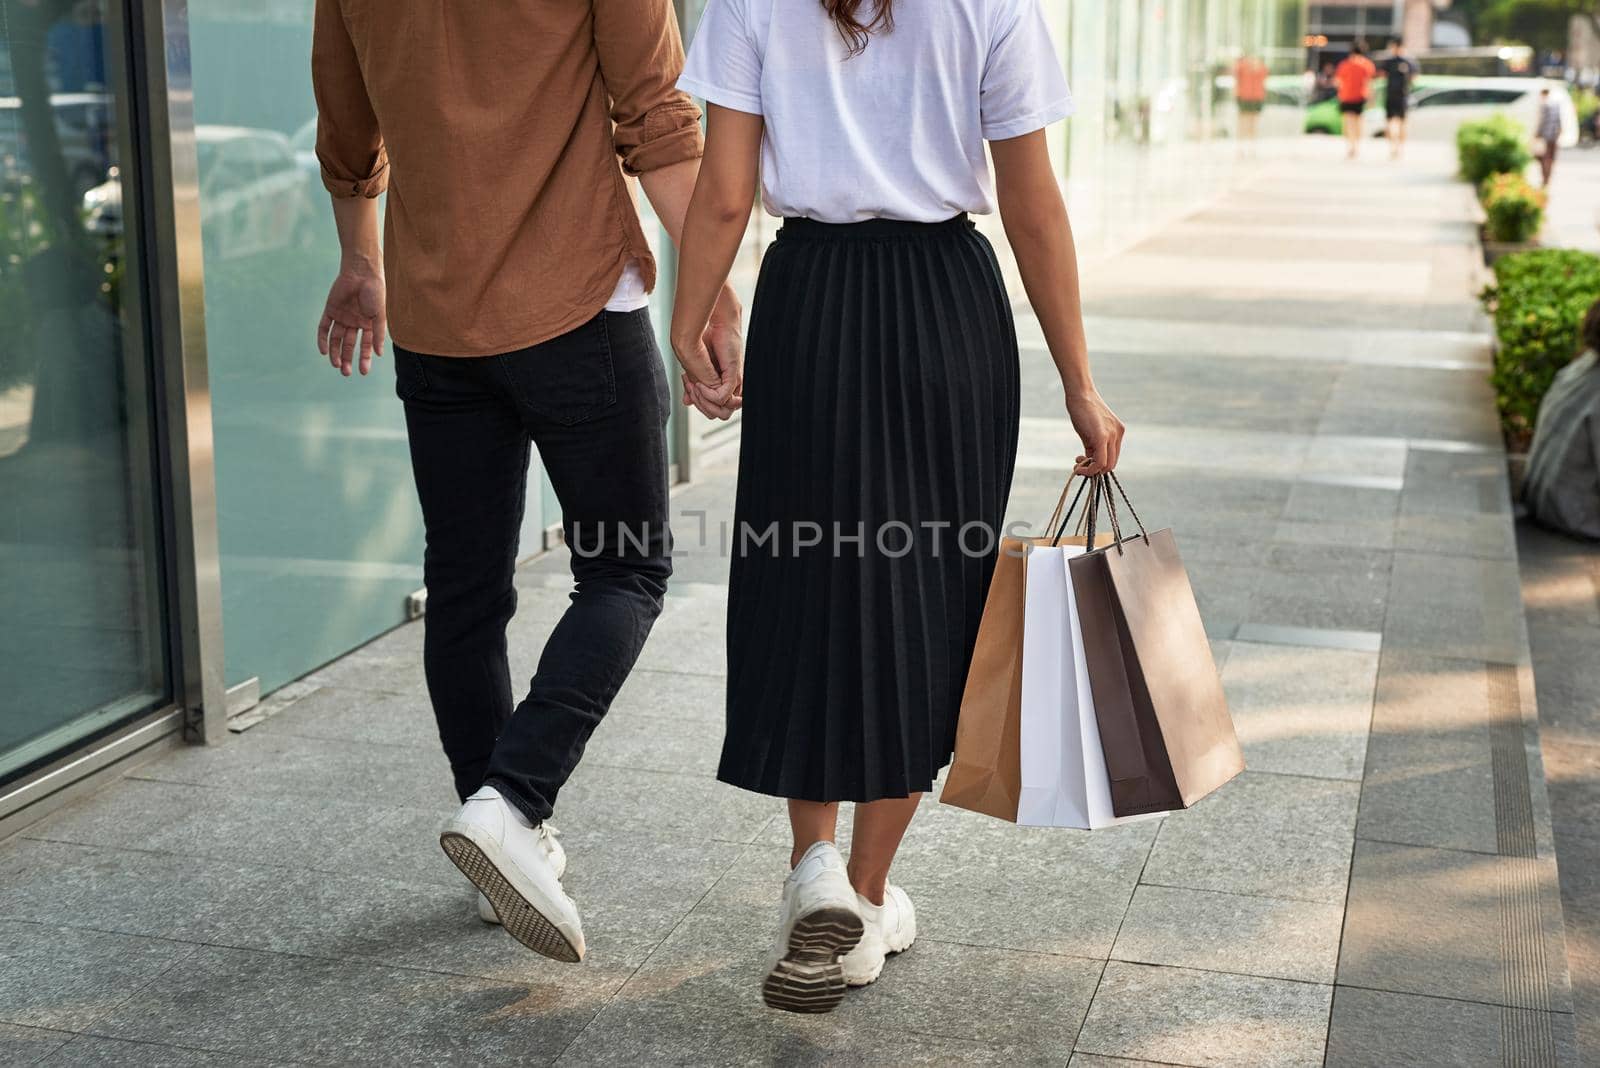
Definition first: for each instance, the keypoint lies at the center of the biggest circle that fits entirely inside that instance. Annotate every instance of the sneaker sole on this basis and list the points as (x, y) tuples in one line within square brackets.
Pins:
[(520, 917), (809, 978)]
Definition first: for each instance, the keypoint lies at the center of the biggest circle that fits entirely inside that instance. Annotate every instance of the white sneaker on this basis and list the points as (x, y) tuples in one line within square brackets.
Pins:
[(558, 860), (511, 865), (820, 923), (890, 928)]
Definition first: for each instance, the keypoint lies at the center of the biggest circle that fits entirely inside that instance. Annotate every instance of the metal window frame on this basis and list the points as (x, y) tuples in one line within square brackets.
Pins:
[(159, 161)]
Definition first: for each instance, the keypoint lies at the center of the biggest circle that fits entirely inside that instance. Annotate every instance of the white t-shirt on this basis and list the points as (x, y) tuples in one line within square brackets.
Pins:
[(629, 294), (895, 132)]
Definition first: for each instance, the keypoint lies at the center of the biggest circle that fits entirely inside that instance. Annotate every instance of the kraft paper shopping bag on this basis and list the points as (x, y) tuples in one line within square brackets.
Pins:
[(1163, 717)]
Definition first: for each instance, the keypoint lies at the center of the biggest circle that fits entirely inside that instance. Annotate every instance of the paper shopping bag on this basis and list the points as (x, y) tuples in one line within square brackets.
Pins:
[(1064, 780), (985, 775), (1163, 719)]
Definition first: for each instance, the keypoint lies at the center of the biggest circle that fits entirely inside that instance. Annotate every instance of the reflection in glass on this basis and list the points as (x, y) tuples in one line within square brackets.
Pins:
[(81, 639), (321, 539)]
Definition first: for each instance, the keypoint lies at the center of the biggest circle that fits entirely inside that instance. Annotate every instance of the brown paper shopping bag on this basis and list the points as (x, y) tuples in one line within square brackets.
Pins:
[(1164, 724), (986, 773)]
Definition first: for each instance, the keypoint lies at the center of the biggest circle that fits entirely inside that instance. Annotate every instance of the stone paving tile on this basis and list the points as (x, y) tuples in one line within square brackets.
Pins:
[(1262, 936), (1486, 536), (1455, 606), (28, 1045), (981, 881), (1334, 602), (1431, 725), (67, 978), (1317, 501), (1271, 835), (601, 799), (668, 1032), (278, 765), (342, 714), (1425, 921), (1001, 998), (1371, 1027), (697, 699), (1301, 711), (200, 821), (1090, 1060), (90, 1051), (1375, 534), (347, 1012), (1205, 1018)]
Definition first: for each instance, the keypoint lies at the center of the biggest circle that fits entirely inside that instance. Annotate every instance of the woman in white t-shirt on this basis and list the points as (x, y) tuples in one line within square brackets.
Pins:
[(881, 406)]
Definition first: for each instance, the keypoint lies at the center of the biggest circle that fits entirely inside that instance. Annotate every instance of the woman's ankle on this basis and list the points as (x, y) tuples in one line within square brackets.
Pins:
[(797, 851), (869, 885)]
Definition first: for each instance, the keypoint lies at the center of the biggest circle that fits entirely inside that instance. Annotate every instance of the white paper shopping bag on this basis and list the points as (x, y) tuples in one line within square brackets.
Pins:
[(1064, 782)]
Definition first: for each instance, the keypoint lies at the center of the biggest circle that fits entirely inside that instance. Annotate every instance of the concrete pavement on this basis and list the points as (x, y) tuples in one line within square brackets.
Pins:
[(1303, 372)]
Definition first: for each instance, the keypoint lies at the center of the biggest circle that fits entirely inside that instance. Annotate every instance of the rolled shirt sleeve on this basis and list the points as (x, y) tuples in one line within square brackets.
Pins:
[(641, 57), (349, 144)]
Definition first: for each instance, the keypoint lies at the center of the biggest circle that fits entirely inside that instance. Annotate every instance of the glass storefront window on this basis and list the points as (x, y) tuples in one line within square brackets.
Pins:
[(82, 633)]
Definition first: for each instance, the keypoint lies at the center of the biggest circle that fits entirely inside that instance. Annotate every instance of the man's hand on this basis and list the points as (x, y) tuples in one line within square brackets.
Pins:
[(713, 362), (354, 320), (1100, 430)]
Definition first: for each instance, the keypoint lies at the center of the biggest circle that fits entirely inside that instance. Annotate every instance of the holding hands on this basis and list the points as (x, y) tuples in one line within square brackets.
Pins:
[(712, 359)]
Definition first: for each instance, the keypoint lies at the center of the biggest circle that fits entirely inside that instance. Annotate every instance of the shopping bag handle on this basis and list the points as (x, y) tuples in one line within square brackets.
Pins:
[(1098, 487)]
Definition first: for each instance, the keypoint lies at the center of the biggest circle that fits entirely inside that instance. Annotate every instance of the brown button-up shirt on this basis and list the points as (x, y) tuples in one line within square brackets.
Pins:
[(496, 127)]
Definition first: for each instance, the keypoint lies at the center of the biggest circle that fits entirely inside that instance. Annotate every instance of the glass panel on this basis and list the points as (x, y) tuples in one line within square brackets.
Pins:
[(82, 639), (320, 533)]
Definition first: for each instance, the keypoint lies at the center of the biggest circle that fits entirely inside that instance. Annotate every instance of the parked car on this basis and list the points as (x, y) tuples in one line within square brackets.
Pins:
[(1437, 111), (1440, 103), (84, 127), (254, 195)]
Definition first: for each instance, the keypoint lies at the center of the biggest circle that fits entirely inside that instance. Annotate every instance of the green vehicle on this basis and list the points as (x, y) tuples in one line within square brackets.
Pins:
[(1323, 117)]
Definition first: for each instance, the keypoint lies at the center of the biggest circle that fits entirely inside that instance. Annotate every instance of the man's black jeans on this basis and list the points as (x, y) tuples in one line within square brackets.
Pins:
[(595, 402)]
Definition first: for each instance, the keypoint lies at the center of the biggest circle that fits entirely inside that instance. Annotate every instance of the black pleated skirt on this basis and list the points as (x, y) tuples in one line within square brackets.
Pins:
[(878, 443)]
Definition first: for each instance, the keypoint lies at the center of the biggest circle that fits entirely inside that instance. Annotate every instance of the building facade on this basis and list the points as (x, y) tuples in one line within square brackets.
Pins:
[(194, 509)]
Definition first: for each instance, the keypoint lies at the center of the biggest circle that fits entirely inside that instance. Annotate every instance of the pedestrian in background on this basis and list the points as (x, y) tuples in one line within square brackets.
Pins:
[(1326, 85), (1250, 94), (516, 271), (1547, 135), (1399, 71), (881, 410), (1354, 76)]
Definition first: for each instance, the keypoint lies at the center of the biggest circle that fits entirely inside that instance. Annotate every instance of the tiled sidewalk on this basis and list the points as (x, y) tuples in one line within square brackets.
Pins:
[(1302, 370)]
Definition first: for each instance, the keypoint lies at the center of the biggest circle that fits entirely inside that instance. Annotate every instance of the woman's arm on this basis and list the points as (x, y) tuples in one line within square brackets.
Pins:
[(713, 230), (1036, 224)]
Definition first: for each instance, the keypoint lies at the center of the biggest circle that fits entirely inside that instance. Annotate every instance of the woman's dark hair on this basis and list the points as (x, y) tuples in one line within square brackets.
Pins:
[(846, 16), (1591, 328)]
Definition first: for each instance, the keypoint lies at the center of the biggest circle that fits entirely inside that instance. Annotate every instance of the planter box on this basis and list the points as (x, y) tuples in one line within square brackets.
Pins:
[(1493, 250)]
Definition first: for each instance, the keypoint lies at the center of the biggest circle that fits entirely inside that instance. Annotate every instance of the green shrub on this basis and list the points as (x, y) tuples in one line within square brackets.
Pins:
[(1538, 301), (1515, 209), (1496, 145)]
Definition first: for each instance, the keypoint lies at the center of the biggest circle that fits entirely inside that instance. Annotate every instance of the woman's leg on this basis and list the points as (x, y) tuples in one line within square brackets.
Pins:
[(879, 826), (811, 822)]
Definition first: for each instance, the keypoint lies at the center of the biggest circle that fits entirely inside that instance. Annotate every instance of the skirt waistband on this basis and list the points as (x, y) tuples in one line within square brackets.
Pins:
[(813, 230)]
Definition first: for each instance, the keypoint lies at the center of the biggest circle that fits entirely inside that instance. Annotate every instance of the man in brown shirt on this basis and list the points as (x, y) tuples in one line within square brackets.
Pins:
[(513, 272)]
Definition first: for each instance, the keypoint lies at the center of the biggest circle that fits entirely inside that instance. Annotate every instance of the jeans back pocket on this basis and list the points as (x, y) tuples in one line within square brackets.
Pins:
[(567, 379)]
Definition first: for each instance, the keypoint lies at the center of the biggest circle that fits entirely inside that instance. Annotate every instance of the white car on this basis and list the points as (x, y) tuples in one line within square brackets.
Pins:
[(254, 195), (1438, 108)]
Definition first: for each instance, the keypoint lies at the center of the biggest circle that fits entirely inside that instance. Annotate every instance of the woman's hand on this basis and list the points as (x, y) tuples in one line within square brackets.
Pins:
[(1100, 430), (713, 360)]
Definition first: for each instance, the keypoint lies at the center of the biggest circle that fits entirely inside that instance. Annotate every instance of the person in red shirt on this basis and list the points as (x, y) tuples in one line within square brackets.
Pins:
[(1354, 77), (1250, 91)]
